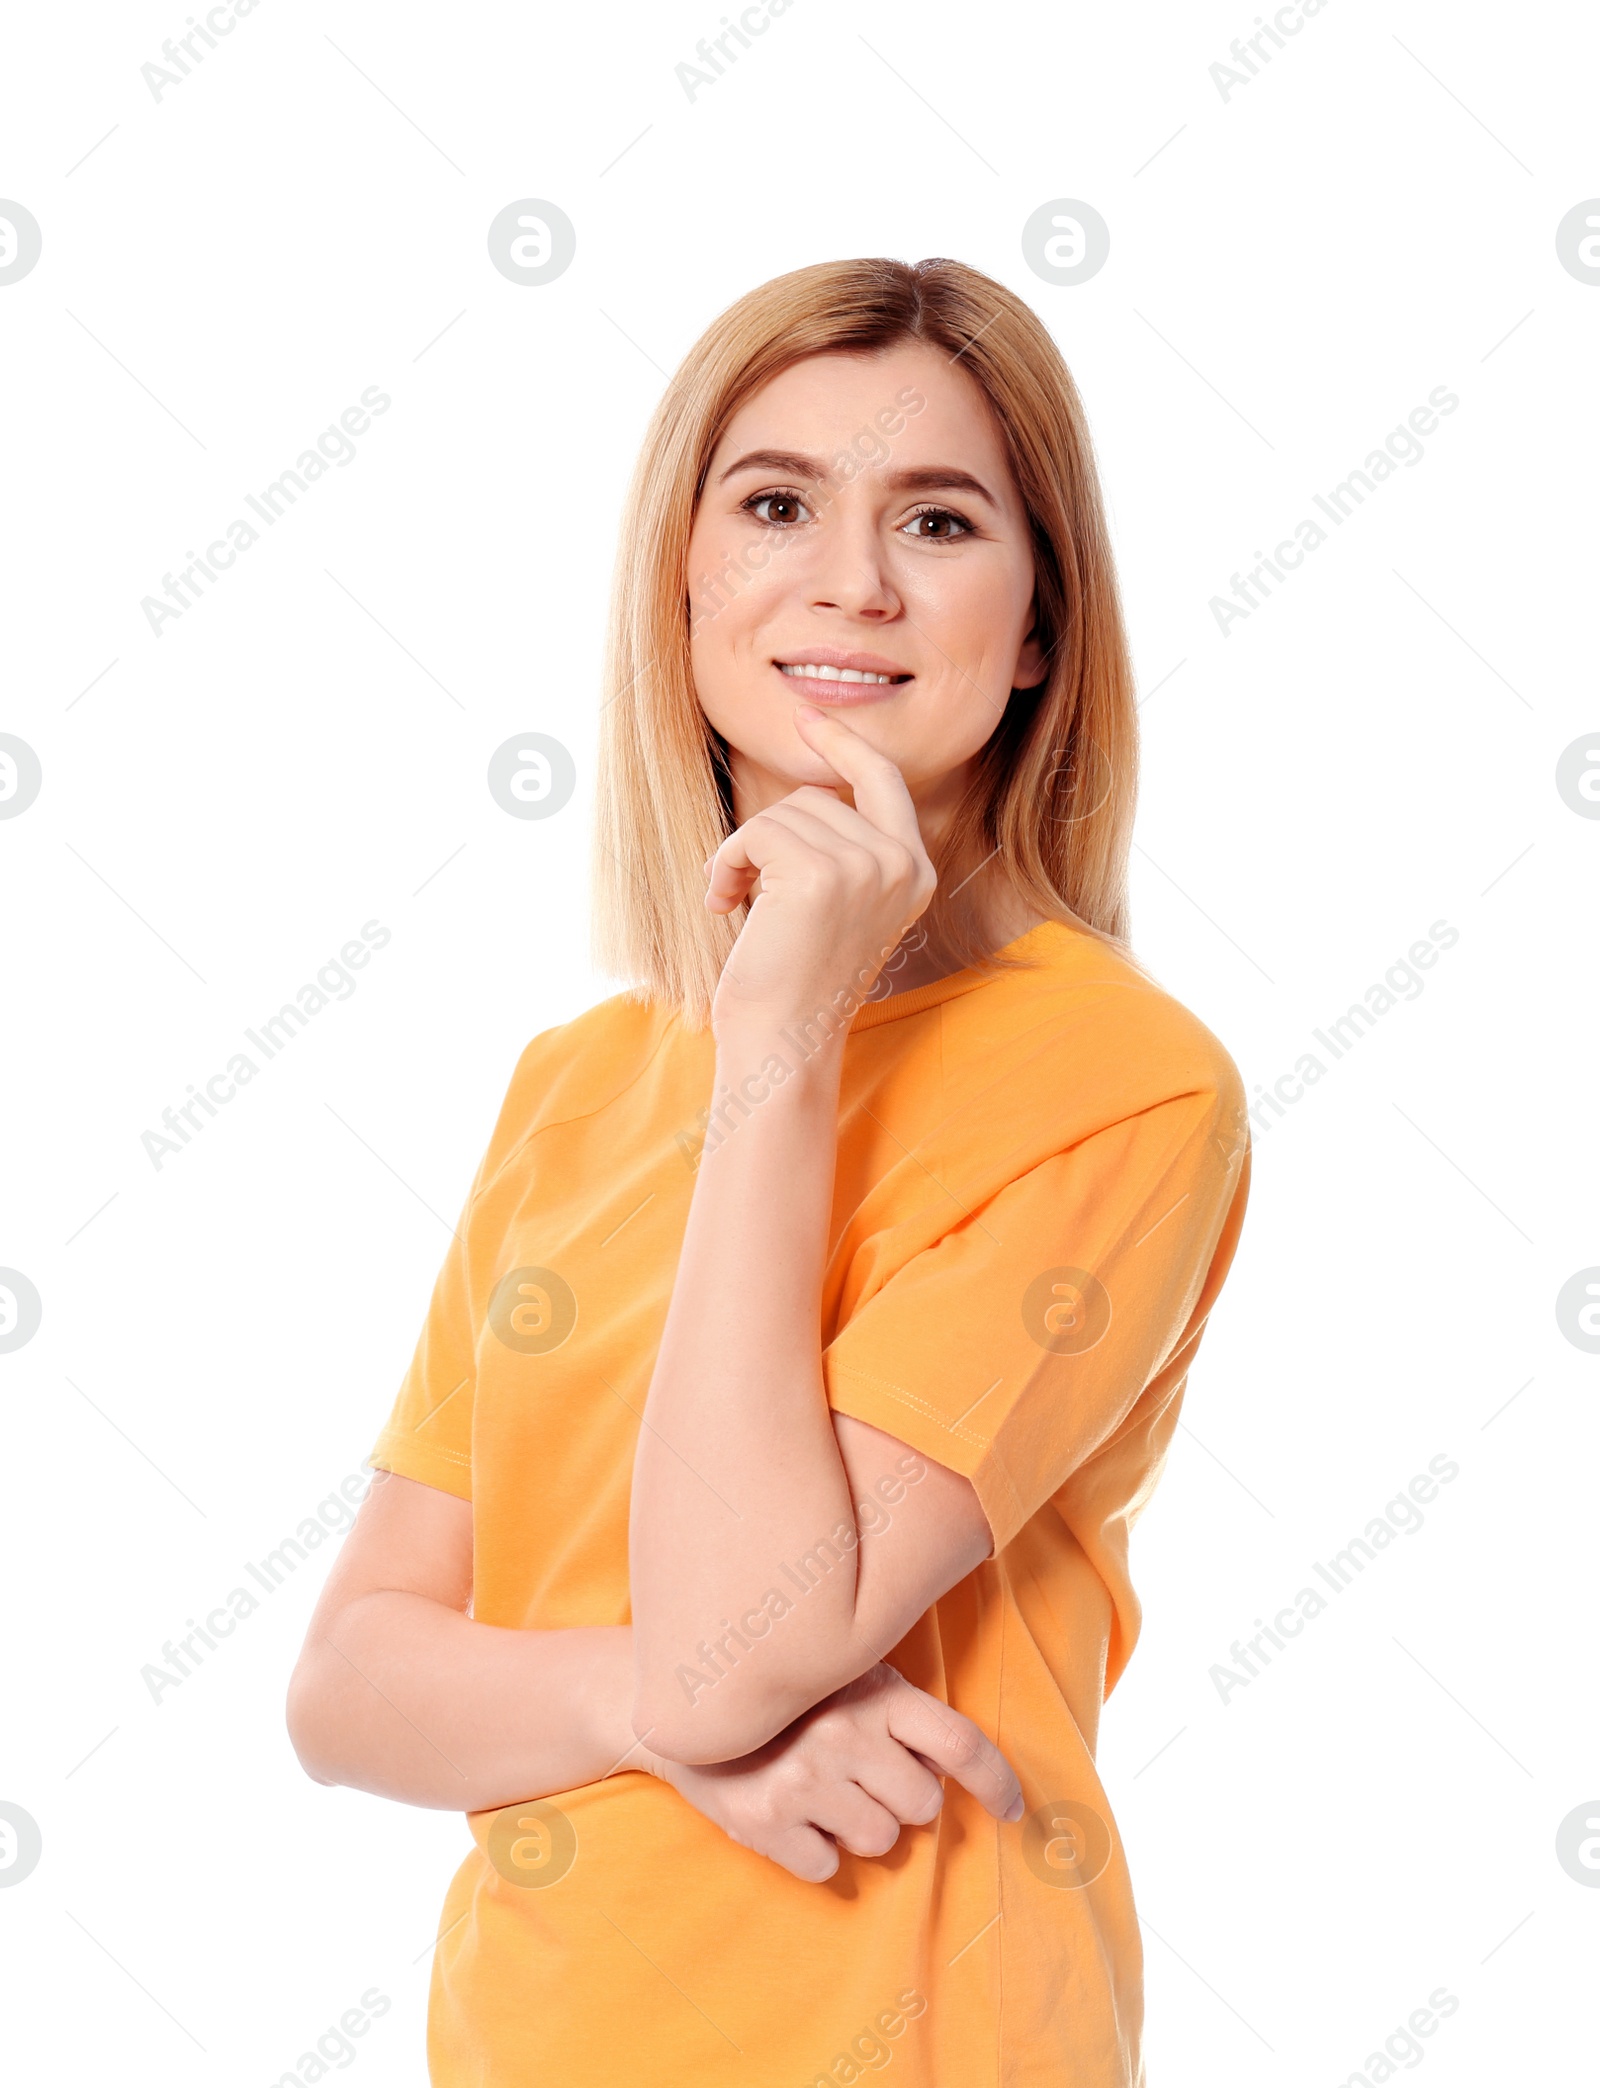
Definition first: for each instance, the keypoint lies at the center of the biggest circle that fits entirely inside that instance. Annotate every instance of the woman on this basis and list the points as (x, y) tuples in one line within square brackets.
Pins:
[(749, 1556)]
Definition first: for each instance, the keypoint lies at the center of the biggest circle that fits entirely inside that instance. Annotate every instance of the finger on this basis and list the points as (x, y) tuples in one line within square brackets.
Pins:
[(757, 845), (783, 837), (850, 825), (955, 1747), (878, 787), (833, 830), (902, 1783), (805, 1852), (855, 1819)]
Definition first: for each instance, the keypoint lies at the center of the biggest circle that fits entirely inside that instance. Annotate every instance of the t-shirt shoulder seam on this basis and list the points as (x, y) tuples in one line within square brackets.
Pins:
[(579, 1115)]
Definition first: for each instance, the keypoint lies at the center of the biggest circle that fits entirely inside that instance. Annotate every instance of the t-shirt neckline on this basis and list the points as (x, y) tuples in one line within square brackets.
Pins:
[(919, 998)]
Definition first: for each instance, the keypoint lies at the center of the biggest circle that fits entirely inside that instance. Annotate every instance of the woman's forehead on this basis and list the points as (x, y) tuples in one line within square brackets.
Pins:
[(909, 397)]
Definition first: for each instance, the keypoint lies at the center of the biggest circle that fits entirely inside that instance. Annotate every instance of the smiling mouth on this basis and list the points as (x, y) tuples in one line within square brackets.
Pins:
[(822, 681), (839, 674)]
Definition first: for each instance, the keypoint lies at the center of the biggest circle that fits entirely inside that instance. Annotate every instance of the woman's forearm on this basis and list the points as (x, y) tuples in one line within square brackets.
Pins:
[(410, 1699), (737, 1469)]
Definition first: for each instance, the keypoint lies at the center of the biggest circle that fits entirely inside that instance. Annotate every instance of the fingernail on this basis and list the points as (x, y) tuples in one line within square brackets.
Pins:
[(1016, 1809), (807, 710)]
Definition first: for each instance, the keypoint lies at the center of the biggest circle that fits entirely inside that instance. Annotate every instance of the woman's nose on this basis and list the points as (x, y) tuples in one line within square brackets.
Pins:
[(851, 573)]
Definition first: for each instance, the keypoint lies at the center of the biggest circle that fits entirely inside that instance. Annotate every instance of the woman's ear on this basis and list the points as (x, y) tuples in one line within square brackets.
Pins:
[(1032, 661)]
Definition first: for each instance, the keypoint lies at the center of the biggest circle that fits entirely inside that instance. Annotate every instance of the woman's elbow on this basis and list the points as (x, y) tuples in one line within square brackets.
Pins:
[(693, 1719), (305, 1716)]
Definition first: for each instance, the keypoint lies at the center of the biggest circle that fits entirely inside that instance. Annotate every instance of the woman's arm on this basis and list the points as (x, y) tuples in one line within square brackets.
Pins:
[(741, 1469), (398, 1691)]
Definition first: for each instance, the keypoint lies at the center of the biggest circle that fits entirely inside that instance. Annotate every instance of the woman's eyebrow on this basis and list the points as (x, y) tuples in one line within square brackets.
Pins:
[(924, 478), (793, 463), (939, 478)]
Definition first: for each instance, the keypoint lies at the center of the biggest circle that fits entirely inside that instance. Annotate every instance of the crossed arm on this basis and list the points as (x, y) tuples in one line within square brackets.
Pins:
[(400, 1691)]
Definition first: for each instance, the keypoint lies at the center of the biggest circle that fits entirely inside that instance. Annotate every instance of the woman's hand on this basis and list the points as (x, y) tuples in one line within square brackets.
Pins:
[(840, 884), (848, 1775)]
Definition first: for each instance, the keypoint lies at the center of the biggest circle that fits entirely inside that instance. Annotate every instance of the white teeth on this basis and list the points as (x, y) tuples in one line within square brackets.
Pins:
[(842, 674)]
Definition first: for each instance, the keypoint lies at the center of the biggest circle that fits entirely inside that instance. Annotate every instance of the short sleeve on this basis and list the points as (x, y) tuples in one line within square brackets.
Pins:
[(1015, 1346), (428, 1435)]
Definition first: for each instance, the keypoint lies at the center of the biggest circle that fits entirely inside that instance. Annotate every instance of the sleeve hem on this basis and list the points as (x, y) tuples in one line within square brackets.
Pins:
[(398, 1450), (916, 1422)]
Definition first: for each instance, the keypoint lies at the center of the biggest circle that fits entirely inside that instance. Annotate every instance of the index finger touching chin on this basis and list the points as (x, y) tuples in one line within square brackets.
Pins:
[(880, 789)]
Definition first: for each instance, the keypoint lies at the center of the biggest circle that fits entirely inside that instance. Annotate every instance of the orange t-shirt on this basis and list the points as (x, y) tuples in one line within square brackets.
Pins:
[(1041, 1178)]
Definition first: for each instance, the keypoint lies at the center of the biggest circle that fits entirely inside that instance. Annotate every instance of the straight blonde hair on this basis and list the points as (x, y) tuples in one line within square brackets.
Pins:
[(1051, 798)]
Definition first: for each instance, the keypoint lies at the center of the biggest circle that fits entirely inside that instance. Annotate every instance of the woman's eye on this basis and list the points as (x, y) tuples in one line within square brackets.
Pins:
[(937, 525), (787, 508)]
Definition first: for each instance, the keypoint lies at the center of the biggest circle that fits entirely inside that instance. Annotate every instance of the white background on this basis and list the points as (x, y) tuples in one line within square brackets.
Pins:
[(1292, 270)]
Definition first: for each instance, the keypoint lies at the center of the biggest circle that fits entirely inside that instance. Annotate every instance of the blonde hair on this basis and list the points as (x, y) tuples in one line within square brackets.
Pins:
[(1052, 793)]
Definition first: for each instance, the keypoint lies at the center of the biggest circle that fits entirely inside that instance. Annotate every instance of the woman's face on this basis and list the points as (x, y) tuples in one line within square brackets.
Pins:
[(859, 516)]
